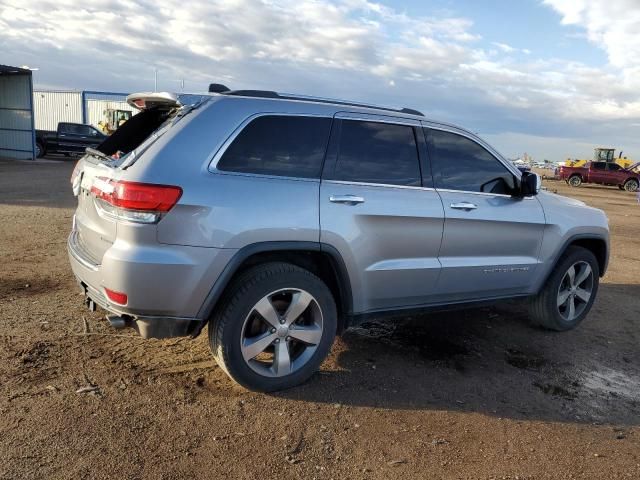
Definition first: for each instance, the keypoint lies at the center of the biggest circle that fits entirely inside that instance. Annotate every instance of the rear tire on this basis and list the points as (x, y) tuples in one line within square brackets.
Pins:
[(575, 180), (569, 293), (40, 151), (631, 185), (273, 327)]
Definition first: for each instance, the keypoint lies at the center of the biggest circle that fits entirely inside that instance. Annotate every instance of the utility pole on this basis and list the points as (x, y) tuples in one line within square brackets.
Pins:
[(155, 79)]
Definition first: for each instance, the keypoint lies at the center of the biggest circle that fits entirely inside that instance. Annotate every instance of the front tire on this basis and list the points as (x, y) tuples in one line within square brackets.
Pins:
[(631, 185), (274, 327), (569, 293)]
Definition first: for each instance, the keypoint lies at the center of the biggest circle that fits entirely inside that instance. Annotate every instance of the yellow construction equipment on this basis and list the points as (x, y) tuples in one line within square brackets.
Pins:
[(602, 155), (113, 118)]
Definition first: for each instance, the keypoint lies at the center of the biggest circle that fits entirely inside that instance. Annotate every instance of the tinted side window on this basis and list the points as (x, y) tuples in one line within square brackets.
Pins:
[(598, 165), (84, 130), (64, 128), (373, 152), (279, 145), (614, 167), (459, 163)]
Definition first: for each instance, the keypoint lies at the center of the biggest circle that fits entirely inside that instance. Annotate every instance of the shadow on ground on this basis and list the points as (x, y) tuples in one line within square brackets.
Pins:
[(43, 183), (491, 361)]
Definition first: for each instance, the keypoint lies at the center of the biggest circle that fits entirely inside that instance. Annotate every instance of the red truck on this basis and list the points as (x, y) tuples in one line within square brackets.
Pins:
[(604, 173)]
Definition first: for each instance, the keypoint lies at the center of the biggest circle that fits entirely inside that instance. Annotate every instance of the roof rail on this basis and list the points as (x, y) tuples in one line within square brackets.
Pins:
[(286, 96)]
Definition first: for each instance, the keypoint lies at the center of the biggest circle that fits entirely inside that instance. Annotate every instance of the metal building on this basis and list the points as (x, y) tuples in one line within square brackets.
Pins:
[(17, 134), (51, 107), (54, 106)]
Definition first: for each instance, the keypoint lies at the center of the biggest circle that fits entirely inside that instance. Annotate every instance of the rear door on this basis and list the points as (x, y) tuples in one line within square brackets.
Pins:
[(66, 134), (377, 212), (74, 137), (87, 136), (491, 239)]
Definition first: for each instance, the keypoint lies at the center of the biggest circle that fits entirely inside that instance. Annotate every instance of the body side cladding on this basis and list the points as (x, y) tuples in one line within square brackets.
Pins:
[(359, 318), (576, 239), (248, 251)]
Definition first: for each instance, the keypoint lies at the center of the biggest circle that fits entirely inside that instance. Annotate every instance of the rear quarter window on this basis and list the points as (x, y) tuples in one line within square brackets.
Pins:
[(288, 146)]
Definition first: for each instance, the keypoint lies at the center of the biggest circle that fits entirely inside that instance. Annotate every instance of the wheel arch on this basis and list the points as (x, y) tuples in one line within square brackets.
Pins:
[(43, 148), (594, 243), (321, 259)]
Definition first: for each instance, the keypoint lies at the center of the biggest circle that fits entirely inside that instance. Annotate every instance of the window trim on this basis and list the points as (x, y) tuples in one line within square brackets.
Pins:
[(510, 168), (331, 156), (445, 128), (212, 164)]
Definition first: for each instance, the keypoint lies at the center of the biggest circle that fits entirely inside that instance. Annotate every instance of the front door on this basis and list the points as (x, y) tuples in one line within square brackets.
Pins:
[(491, 239), (598, 172), (377, 212), (612, 174)]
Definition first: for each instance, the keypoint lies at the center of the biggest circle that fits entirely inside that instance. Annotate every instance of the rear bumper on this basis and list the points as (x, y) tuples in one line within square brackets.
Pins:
[(146, 326), (166, 284)]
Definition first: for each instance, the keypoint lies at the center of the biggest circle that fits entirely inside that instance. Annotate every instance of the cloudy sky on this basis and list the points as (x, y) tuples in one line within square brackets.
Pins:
[(553, 78)]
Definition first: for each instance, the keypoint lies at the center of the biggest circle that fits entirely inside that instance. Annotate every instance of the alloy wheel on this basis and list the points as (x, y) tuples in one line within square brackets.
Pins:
[(631, 186), (281, 332), (575, 291)]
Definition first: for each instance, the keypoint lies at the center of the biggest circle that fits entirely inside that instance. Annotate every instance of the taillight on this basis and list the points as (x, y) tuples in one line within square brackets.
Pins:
[(134, 201), (76, 170), (76, 178), (116, 297)]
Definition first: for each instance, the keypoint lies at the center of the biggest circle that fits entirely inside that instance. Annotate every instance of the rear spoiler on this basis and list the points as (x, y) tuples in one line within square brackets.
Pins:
[(145, 100)]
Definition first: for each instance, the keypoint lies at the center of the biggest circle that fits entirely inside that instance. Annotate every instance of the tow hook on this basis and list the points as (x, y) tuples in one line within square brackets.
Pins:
[(91, 305)]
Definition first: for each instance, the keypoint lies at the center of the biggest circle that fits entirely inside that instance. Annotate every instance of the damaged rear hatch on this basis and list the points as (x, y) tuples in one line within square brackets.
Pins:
[(99, 178)]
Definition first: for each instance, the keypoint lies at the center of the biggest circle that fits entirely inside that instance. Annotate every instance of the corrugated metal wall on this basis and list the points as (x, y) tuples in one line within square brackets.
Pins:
[(53, 106), (16, 116)]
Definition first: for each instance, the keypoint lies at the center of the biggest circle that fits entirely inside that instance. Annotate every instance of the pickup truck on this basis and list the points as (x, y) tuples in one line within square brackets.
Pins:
[(69, 139), (604, 173)]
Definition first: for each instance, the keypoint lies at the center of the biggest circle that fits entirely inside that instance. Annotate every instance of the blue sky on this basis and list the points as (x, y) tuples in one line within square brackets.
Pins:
[(553, 78)]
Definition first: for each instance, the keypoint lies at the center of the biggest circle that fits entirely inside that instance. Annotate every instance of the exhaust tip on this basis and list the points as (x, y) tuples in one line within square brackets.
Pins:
[(118, 322)]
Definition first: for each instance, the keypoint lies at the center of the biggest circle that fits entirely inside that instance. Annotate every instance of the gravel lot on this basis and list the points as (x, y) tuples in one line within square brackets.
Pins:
[(468, 394)]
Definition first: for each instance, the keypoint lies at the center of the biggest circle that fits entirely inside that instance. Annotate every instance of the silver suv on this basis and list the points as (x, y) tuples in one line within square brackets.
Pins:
[(281, 220)]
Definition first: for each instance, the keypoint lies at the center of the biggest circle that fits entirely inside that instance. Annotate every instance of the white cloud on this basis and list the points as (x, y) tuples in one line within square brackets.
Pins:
[(504, 47), (611, 25), (341, 48)]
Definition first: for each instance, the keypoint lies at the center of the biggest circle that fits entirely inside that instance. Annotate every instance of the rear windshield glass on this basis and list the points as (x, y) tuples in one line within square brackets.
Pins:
[(134, 136), (133, 132)]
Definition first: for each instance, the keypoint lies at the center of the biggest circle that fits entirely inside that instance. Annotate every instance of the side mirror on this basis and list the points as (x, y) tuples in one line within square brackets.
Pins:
[(530, 184)]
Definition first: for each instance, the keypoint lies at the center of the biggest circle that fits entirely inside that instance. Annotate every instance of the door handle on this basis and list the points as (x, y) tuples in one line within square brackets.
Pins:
[(348, 199), (464, 206)]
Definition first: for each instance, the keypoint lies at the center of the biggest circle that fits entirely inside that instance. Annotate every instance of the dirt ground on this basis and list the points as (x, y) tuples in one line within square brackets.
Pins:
[(467, 394)]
